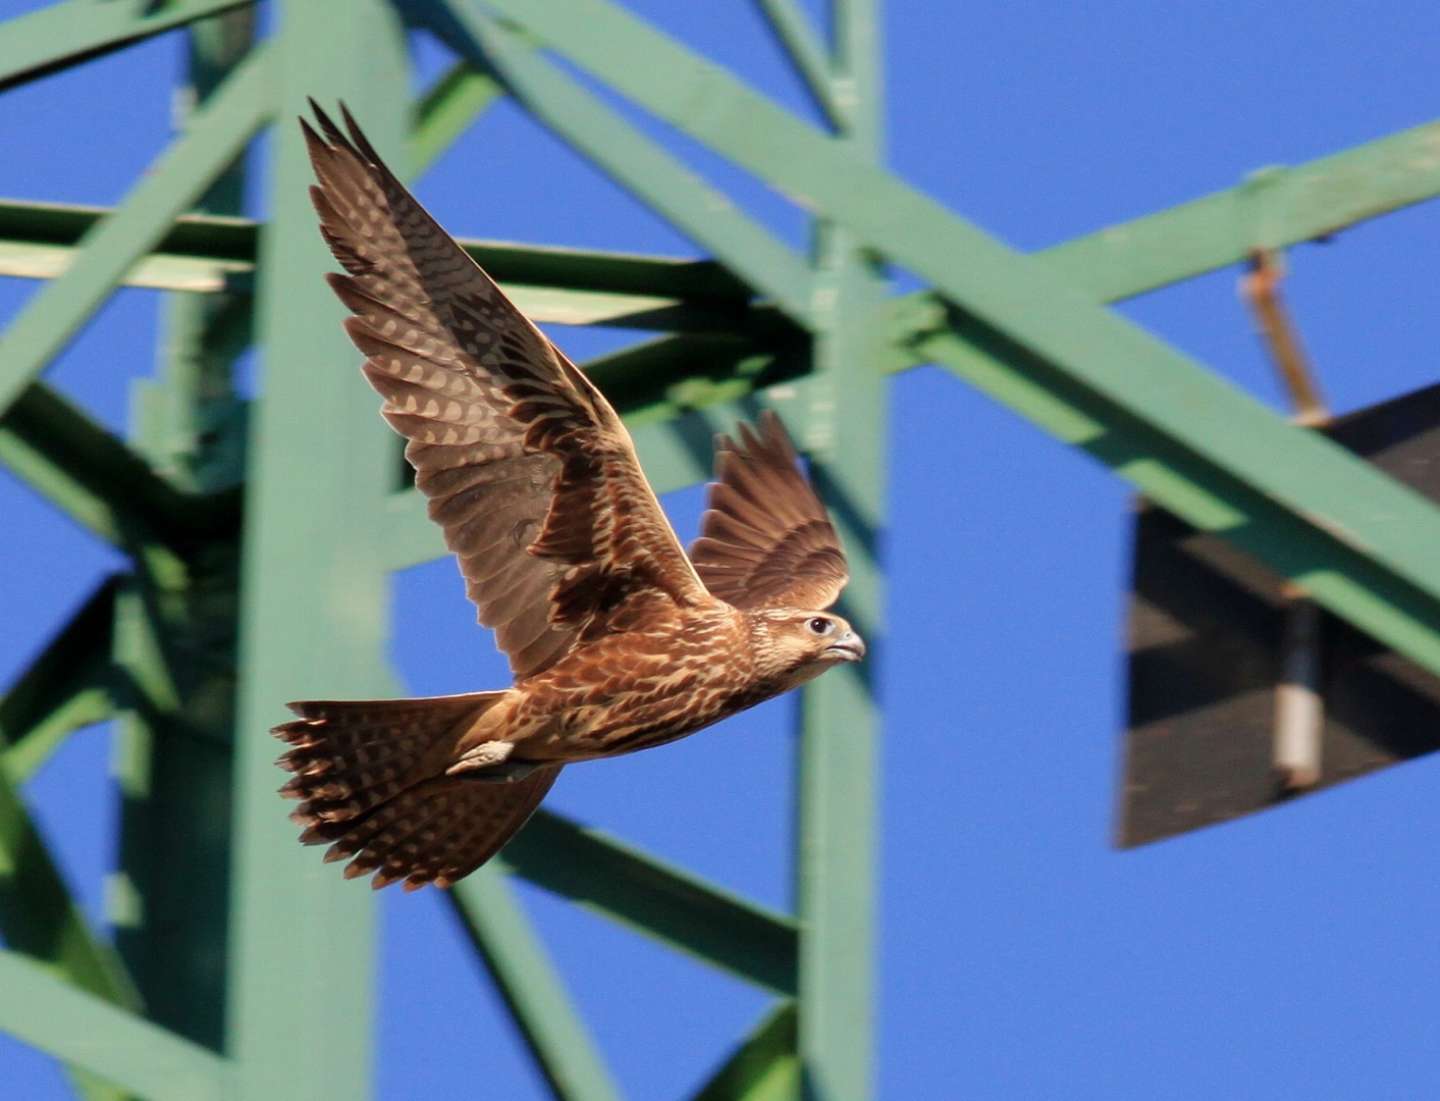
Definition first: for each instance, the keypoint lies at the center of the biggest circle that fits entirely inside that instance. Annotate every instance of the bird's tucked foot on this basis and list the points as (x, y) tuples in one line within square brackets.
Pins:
[(490, 762)]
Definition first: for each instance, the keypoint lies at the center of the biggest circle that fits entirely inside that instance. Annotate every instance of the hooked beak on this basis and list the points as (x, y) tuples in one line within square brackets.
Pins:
[(848, 647)]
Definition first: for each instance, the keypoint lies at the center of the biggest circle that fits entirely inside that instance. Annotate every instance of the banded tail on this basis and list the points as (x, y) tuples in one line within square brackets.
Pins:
[(371, 778)]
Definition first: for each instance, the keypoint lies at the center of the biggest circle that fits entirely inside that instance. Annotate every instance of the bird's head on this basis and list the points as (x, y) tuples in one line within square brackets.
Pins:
[(799, 645)]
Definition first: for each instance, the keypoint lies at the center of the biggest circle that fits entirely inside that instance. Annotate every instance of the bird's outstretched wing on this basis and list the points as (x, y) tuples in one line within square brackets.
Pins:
[(766, 540), (527, 468)]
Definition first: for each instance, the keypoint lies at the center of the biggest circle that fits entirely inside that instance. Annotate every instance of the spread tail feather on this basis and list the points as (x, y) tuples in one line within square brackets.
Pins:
[(369, 774)]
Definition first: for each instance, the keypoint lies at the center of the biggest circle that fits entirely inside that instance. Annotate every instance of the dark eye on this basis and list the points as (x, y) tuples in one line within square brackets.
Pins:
[(821, 626)]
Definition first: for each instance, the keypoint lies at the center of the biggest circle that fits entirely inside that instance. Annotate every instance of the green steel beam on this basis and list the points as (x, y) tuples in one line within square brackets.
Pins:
[(764, 1067), (657, 899), (52, 317), (105, 1039), (1347, 581), (174, 638), (839, 719), (40, 919), (62, 35), (197, 253), (637, 163), (314, 592), (96, 479), (228, 245), (68, 685), (208, 254), (447, 110), (1312, 200), (807, 51), (1352, 510), (521, 968), (1275, 208)]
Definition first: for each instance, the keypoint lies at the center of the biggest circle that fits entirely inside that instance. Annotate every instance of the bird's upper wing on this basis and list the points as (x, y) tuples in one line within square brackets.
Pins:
[(766, 540), (527, 468)]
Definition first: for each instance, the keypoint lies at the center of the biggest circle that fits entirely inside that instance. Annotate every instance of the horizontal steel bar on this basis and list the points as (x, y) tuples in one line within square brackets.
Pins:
[(115, 1044), (50, 319), (656, 899), (535, 993), (210, 254), (62, 35)]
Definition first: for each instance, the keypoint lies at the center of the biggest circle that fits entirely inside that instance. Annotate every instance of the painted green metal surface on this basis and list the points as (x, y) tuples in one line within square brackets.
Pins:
[(636, 162), (656, 899), (836, 846), (809, 55), (113, 1043), (51, 318), (763, 1067), (313, 588), (65, 34), (69, 684), (103, 485), (175, 639), (517, 961)]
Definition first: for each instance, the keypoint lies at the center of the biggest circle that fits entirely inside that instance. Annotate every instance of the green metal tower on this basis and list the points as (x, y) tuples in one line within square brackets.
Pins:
[(246, 585)]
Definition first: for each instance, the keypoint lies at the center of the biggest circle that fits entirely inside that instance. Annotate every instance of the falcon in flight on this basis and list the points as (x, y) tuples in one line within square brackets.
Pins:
[(617, 640)]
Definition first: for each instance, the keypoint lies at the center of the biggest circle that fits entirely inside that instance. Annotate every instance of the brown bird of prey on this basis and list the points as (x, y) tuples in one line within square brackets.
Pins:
[(616, 639)]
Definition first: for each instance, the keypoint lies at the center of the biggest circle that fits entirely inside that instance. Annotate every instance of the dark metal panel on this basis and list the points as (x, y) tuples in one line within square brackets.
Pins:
[(1205, 633)]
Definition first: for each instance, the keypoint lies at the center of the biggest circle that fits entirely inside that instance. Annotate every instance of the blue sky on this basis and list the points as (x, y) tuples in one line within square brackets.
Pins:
[(1290, 954)]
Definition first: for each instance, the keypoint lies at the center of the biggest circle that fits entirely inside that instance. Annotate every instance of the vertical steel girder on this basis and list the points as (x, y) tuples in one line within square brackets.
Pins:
[(311, 613), (158, 645), (840, 718)]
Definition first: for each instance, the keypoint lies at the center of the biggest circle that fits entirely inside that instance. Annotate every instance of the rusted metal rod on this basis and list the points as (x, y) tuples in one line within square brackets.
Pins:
[(1299, 700)]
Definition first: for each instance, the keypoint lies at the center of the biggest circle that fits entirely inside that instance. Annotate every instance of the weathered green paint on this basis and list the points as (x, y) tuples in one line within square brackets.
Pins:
[(56, 37), (109, 1041), (314, 594), (51, 318), (521, 968)]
